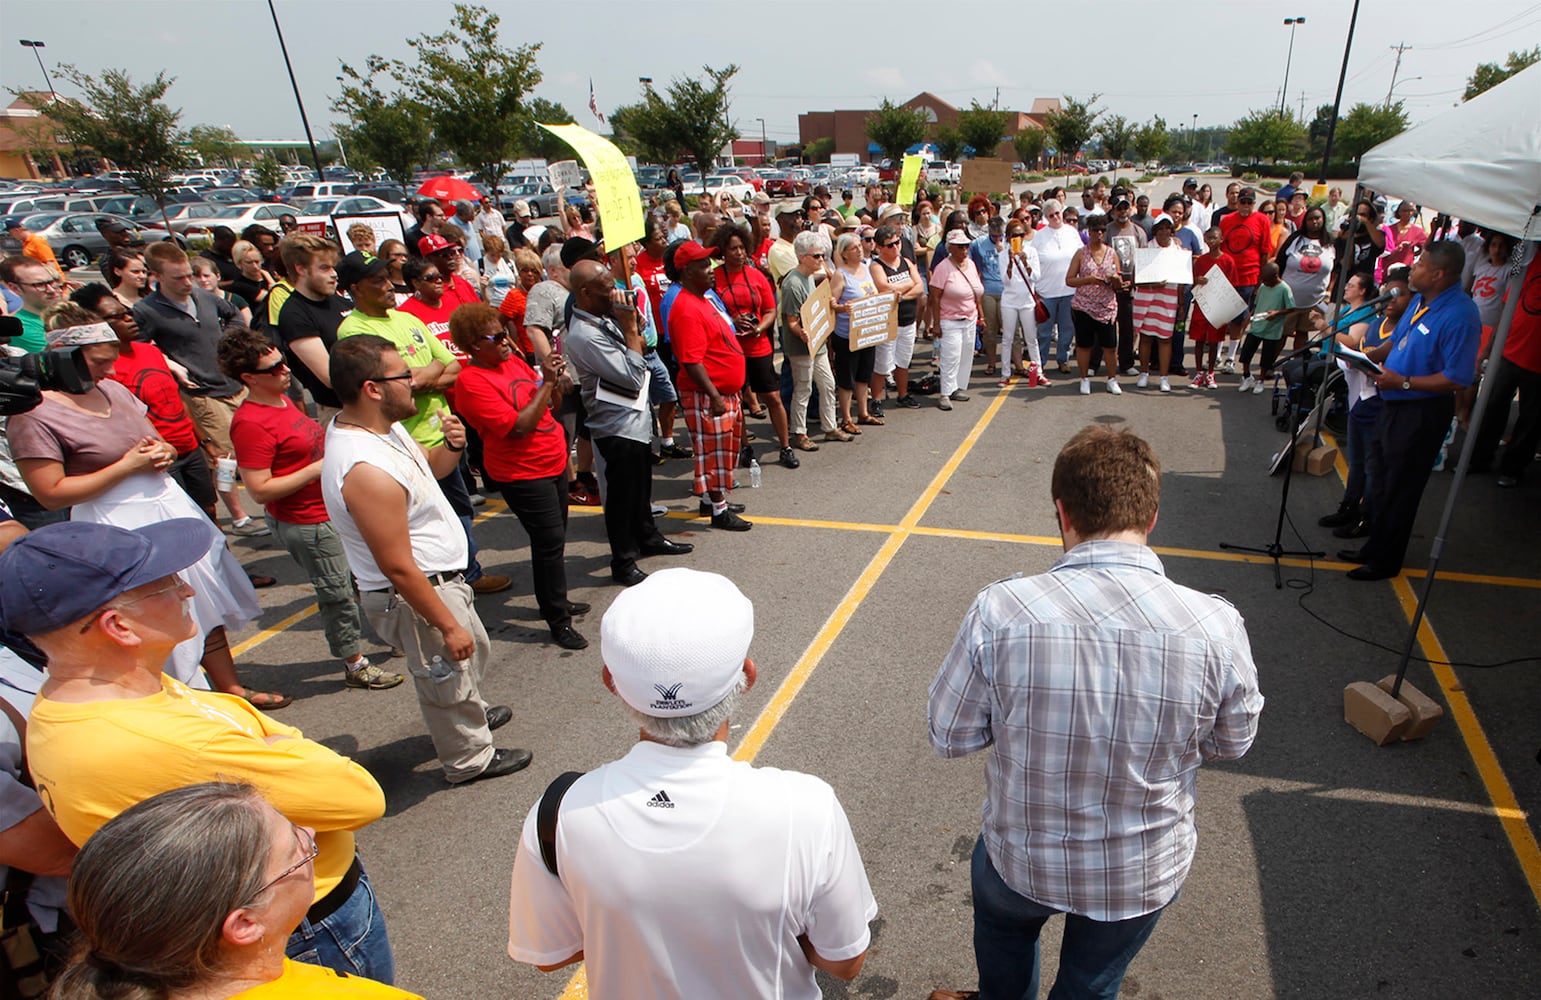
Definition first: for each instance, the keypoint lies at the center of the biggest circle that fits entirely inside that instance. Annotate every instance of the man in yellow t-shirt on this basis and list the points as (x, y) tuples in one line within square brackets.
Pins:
[(109, 729)]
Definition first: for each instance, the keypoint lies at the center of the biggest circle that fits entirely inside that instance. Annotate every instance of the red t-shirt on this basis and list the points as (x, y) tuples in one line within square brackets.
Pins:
[(650, 270), (458, 291), (1200, 329), (490, 400), (701, 334), (282, 439), (512, 308), (142, 370), (749, 292), (761, 257), (1523, 347), (1249, 241), (436, 320)]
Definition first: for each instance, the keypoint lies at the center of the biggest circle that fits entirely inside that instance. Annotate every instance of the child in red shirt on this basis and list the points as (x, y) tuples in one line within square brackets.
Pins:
[(1205, 335)]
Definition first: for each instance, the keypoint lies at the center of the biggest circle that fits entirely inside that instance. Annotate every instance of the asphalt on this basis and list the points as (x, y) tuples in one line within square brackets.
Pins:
[(1327, 867)]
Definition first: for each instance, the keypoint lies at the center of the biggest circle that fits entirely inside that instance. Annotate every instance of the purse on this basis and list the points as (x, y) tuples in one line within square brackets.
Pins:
[(1040, 311)]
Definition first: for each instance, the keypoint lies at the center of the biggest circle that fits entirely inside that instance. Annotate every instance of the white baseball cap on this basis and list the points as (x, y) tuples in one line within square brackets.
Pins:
[(675, 643)]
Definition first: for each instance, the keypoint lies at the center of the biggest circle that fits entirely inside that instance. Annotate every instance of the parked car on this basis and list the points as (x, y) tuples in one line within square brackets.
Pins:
[(31, 203), (322, 209), (744, 174), (540, 196), (782, 184), (230, 195), (243, 214), (73, 235), (943, 172), (717, 185), (393, 193)]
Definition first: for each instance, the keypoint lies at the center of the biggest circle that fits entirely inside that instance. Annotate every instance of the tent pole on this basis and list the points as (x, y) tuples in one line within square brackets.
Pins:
[(1337, 101), (1495, 354)]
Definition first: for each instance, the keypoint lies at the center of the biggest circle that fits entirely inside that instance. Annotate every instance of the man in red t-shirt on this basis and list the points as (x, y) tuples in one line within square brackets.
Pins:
[(278, 450), (1517, 371), (457, 291), (1247, 237), (711, 376)]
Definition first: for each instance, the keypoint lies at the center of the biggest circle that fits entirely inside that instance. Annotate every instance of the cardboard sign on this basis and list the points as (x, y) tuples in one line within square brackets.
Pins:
[(874, 320), (615, 186), (387, 226), (564, 174), (987, 176), (1217, 298), (818, 320), (909, 174), (1163, 265)]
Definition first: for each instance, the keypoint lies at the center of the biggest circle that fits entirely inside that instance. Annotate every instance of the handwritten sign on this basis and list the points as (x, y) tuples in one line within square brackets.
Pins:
[(387, 226), (909, 174), (987, 176), (874, 320), (1158, 265), (1217, 298), (818, 320), (615, 186)]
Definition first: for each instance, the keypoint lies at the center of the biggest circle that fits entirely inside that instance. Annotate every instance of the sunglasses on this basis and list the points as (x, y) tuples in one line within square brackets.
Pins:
[(273, 369), (432, 279), (890, 243), (493, 338), (1096, 229)]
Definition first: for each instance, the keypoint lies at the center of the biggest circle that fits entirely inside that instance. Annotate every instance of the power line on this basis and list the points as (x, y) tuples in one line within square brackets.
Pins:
[(1399, 48), (1503, 27)]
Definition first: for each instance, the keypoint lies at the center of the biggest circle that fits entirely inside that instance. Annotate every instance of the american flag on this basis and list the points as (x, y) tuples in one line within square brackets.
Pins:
[(593, 103)]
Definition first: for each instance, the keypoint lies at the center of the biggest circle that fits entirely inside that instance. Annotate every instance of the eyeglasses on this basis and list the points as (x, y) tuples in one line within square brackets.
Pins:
[(115, 317), (50, 283), (391, 378), (273, 369), (432, 279), (456, 251), (177, 583), (308, 846)]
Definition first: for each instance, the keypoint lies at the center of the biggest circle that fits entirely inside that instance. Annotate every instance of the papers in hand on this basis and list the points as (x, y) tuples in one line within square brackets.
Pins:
[(1157, 265), (604, 394), (1357, 360)]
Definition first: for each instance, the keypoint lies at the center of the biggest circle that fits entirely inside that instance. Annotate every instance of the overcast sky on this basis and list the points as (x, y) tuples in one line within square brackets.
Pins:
[(1213, 58)]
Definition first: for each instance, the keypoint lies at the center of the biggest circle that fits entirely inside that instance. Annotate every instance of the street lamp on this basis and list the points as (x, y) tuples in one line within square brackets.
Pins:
[(1193, 137), (1399, 83), (34, 46), (1292, 23), (646, 81), (763, 143)]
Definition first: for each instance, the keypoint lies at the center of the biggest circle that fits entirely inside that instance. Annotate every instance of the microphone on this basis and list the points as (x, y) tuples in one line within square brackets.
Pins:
[(1373, 307)]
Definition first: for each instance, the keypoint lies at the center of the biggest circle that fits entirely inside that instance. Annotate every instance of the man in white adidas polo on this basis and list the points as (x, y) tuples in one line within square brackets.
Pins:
[(679, 872)]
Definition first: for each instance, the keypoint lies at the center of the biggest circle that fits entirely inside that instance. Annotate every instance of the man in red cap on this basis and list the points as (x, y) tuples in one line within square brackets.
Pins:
[(457, 291)]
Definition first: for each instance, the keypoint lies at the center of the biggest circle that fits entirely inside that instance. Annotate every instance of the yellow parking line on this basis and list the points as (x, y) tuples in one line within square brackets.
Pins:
[(1505, 805)]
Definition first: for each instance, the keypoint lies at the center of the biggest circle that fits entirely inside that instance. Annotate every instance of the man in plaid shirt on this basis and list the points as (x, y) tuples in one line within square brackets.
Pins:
[(1099, 687)]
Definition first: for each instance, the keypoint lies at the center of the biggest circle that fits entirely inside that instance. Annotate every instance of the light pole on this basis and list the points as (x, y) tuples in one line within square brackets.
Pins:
[(1292, 23), (1319, 190), (34, 46), (763, 143), (1399, 83), (305, 121), (1193, 136)]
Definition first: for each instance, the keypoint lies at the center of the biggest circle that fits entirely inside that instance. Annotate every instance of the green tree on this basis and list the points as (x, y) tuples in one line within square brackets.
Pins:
[(695, 115), (472, 89), (1071, 126), (983, 128), (1028, 144), (1366, 126), (1489, 75), (895, 128), (1316, 132), (1117, 135), (1152, 140), (130, 125), (1265, 134), (819, 150), (215, 143), (267, 173), (536, 141), (949, 142), (385, 127), (636, 125)]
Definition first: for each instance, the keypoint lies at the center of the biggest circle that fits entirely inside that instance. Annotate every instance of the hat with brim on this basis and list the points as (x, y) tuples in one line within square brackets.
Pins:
[(958, 238), (357, 266), (788, 208), (691, 251)]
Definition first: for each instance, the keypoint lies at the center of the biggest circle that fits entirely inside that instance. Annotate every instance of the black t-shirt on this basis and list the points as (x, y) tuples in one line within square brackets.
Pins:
[(302, 318), (192, 341), (227, 269), (899, 279)]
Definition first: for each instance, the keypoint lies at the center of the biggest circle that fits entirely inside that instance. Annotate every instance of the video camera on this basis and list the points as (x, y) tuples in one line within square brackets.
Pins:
[(23, 379)]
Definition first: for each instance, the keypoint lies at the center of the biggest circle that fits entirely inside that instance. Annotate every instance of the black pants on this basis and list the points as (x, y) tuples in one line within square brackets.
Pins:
[(541, 507), (1508, 379), (1126, 339), (628, 499), (191, 472), (1270, 348), (1407, 439)]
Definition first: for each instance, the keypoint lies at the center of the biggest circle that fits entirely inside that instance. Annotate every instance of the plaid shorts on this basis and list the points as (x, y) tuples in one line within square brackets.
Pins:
[(716, 439)]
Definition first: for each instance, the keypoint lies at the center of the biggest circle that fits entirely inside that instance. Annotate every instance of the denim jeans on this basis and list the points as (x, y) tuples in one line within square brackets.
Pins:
[(351, 940), (453, 486), (1056, 333), (1093, 955), (1361, 431)]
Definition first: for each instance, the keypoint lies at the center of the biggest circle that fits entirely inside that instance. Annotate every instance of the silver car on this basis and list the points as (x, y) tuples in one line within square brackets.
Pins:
[(73, 235)]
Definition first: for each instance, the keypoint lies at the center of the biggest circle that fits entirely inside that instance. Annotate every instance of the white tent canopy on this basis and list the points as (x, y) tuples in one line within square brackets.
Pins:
[(1480, 162)]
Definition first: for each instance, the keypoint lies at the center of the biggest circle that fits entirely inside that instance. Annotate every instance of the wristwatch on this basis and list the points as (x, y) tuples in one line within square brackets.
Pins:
[(1407, 383)]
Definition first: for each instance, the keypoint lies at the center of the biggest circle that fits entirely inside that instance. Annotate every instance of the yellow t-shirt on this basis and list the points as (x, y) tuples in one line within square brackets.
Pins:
[(419, 348), (93, 760), (302, 982)]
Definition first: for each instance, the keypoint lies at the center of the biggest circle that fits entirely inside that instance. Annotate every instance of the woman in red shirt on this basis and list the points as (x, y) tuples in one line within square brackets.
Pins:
[(524, 451), (752, 307)]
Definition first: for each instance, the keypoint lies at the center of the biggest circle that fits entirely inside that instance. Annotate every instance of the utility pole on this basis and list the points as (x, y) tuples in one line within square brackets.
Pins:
[(1302, 107), (1398, 49)]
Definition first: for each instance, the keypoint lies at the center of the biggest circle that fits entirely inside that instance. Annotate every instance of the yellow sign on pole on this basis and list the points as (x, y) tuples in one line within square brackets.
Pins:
[(909, 174), (615, 186)]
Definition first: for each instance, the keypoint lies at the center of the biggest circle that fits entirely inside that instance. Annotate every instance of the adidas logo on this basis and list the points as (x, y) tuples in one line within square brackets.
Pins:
[(661, 801)]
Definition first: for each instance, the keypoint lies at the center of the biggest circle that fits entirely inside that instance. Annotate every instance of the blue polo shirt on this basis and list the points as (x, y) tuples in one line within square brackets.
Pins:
[(986, 255), (1436, 338)]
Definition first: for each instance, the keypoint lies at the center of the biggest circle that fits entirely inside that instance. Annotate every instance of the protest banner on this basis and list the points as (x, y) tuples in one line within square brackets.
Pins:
[(615, 186), (1158, 265), (986, 176), (1217, 298), (909, 174), (874, 320), (387, 226), (817, 318)]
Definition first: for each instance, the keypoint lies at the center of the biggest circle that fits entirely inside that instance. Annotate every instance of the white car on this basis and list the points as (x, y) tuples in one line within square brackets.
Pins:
[(242, 214), (321, 210), (862, 176), (718, 185), (943, 172)]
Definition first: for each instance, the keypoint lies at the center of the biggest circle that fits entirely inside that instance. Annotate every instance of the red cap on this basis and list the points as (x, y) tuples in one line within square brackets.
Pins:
[(692, 252), (432, 244)]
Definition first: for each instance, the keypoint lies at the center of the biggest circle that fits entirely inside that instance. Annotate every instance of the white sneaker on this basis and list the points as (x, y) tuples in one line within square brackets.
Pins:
[(1246, 384), (1258, 387), (1132, 370), (1113, 387), (1142, 381), (1165, 385), (659, 510), (1086, 387)]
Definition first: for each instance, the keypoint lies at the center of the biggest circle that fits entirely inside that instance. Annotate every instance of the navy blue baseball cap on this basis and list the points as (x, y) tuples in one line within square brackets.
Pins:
[(61, 573)]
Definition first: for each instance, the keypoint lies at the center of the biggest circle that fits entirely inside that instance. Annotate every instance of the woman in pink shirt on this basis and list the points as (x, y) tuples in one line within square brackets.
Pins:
[(954, 312)]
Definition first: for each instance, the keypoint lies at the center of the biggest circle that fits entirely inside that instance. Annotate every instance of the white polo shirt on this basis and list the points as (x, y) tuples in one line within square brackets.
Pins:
[(685, 873)]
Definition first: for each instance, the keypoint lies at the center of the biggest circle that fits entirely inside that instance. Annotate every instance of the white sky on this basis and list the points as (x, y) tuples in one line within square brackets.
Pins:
[(1213, 58)]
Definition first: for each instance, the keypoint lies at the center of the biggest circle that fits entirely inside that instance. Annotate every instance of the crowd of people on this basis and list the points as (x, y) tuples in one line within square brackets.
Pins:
[(369, 401)]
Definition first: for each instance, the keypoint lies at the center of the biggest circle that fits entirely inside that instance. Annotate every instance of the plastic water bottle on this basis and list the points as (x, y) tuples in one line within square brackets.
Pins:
[(439, 669), (754, 473)]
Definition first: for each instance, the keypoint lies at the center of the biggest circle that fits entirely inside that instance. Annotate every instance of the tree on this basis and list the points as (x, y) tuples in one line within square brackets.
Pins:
[(949, 142), (1489, 75), (1368, 125), (1028, 145), (536, 141), (1117, 134), (1265, 134), (388, 129), (690, 119), (1152, 140), (1316, 132), (267, 173), (982, 128), (215, 143), (1072, 124), (818, 150), (638, 127), (130, 125), (472, 89), (895, 128)]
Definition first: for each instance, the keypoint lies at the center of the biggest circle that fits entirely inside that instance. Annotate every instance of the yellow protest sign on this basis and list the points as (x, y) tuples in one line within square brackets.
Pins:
[(615, 186), (908, 175)]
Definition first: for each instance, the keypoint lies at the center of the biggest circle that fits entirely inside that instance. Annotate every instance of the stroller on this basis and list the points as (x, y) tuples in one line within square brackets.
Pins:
[(1295, 390)]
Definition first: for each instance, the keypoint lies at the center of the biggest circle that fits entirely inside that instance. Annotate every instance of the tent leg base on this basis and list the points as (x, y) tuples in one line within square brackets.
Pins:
[(1370, 709)]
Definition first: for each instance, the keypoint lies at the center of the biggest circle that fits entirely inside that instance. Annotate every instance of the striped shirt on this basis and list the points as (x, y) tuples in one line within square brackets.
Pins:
[(1100, 686)]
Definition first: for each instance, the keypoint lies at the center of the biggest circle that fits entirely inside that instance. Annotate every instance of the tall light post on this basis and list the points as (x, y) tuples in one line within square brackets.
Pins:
[(1292, 23), (1319, 190), (763, 144), (305, 121), (34, 46), (1193, 136)]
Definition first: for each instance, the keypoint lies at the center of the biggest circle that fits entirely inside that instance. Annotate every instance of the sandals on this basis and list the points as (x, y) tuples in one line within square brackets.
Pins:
[(850, 428), (871, 421), (268, 701), (989, 369), (759, 414)]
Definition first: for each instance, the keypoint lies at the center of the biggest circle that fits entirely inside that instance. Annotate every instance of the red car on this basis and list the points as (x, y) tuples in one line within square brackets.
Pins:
[(784, 185)]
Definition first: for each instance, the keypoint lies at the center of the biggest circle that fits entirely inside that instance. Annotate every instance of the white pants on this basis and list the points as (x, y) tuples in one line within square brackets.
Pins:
[(957, 341), (883, 359), (1010, 317), (904, 347), (806, 371)]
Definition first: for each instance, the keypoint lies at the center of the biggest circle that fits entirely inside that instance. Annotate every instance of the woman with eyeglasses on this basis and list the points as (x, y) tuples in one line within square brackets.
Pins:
[(524, 451), (892, 273), (1057, 244), (127, 276), (192, 894), (1020, 267), (428, 302), (1095, 275)]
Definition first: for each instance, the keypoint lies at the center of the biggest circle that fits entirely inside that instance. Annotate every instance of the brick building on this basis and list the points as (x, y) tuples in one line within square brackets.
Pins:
[(849, 128)]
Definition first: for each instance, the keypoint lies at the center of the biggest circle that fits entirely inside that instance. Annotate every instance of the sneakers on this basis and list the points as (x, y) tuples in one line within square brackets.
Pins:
[(489, 583), (1166, 385), (1247, 383), (1086, 387), (875, 407), (958, 396), (1113, 388), (673, 451), (942, 403), (836, 434), (789, 458), (477, 500), (745, 456), (249, 527), (658, 510), (1004, 382), (579, 495), (1209, 380), (908, 402), (1132, 370), (1142, 381), (1197, 382), (1259, 387), (366, 675), (729, 521)]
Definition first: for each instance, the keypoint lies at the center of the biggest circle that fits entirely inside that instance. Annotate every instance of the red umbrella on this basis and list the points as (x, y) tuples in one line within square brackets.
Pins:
[(449, 189)]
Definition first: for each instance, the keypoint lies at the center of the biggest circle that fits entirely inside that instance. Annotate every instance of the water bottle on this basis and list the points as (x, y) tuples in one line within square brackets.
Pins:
[(439, 669), (754, 473)]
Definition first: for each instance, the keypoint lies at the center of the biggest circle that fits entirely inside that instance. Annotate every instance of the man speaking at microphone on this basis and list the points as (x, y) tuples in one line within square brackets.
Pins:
[(1434, 353)]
